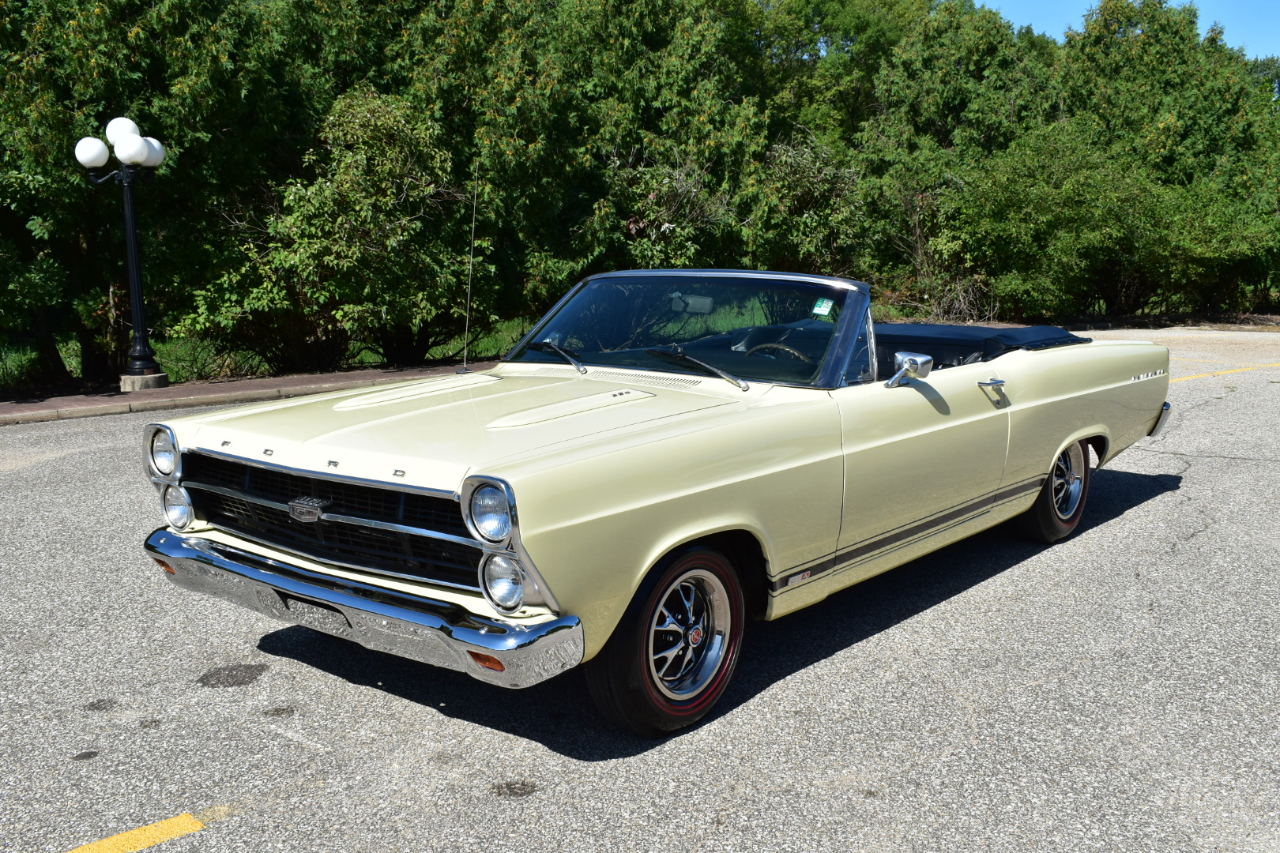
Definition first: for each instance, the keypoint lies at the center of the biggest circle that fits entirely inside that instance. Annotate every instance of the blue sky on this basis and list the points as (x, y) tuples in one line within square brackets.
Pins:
[(1251, 24)]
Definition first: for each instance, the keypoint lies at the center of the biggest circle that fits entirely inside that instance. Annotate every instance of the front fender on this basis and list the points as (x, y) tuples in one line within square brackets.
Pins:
[(596, 520)]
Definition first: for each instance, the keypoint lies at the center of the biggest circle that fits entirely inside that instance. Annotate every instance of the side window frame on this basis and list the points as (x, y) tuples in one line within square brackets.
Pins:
[(868, 327)]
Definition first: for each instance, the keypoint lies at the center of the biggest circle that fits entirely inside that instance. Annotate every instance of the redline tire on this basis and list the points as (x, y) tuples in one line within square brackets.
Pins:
[(673, 654)]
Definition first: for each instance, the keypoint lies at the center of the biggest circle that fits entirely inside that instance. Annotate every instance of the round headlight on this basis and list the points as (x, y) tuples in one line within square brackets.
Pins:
[(177, 507), (164, 456), (504, 582), (490, 513)]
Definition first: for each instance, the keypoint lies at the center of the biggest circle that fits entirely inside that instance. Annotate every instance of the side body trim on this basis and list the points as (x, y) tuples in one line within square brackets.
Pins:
[(864, 551)]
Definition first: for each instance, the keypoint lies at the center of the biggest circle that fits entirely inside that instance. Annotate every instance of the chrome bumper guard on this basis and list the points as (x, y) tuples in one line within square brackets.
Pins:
[(422, 629), (1160, 421)]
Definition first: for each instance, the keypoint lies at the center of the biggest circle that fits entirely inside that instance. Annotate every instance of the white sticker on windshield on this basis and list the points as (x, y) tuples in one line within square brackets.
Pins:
[(823, 307)]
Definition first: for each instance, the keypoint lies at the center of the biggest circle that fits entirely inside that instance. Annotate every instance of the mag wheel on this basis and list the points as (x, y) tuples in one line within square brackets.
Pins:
[(1057, 511), (673, 653)]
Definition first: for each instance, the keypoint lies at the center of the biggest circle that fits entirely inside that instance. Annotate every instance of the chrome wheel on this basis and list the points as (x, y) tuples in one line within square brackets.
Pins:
[(689, 634), (1068, 481), (671, 657)]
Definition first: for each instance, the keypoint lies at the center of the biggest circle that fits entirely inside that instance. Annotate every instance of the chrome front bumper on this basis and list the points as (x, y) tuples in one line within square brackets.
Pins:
[(421, 629)]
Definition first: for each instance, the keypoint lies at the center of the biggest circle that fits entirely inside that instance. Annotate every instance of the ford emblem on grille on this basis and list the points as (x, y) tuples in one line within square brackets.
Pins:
[(307, 509)]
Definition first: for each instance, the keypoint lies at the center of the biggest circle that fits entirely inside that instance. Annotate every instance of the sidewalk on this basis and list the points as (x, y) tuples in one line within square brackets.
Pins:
[(209, 393)]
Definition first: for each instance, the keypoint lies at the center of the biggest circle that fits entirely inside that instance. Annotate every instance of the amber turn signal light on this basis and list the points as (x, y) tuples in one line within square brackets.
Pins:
[(168, 568), (487, 661)]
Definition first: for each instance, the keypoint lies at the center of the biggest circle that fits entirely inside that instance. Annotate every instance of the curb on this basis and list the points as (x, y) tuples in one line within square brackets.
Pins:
[(183, 399)]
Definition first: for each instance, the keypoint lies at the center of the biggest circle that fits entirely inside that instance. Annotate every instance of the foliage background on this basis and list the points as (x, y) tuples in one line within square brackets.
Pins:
[(326, 158)]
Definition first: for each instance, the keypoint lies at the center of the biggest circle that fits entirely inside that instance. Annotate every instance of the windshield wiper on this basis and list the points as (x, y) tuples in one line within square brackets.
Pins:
[(685, 358), (568, 355)]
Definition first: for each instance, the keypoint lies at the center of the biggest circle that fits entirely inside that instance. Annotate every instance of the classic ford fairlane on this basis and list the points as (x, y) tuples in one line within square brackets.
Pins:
[(665, 455)]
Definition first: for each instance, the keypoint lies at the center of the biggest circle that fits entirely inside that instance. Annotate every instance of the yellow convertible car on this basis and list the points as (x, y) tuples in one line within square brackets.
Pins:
[(666, 454)]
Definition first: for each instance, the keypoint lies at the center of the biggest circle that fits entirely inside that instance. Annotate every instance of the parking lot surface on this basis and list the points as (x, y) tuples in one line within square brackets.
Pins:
[(1115, 692)]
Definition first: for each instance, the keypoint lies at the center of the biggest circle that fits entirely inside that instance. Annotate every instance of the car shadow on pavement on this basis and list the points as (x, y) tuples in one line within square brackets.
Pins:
[(559, 713)]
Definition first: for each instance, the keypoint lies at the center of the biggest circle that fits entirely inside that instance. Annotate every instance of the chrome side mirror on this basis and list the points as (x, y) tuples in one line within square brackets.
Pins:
[(909, 364)]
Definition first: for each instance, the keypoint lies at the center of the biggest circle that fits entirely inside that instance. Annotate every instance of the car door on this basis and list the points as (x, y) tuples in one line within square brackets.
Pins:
[(920, 459)]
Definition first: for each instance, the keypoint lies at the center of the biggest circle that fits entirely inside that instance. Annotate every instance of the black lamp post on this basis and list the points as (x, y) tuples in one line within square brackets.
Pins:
[(138, 156)]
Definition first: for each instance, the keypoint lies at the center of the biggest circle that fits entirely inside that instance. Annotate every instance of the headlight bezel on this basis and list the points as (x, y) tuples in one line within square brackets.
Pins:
[(492, 560), (469, 491), (168, 452), (536, 591), (148, 441)]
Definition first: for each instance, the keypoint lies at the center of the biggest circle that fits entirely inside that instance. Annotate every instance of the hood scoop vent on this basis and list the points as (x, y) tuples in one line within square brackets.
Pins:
[(429, 388), (578, 406)]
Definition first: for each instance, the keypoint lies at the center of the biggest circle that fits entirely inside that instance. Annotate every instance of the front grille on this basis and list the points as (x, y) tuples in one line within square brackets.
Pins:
[(369, 502), (331, 541)]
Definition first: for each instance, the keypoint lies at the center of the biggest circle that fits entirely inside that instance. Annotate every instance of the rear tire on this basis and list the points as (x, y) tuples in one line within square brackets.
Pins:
[(673, 654), (1060, 505)]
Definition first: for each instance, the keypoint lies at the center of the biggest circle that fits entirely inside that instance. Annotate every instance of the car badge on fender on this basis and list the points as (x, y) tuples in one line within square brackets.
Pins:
[(307, 509)]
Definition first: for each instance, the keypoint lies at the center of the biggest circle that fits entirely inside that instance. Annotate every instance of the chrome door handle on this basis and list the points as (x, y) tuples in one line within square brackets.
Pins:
[(991, 383)]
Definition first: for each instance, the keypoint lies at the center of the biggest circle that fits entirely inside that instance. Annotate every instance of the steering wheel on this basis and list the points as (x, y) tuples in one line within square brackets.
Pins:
[(791, 351)]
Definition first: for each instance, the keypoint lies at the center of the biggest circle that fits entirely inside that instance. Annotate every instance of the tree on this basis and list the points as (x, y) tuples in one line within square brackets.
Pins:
[(372, 250), (234, 88), (960, 87)]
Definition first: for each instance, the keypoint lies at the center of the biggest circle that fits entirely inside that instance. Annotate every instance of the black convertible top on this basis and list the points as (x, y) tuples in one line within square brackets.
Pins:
[(984, 339)]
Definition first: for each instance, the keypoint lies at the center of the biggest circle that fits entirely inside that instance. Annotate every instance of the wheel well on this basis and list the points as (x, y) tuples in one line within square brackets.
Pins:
[(1099, 445), (747, 555)]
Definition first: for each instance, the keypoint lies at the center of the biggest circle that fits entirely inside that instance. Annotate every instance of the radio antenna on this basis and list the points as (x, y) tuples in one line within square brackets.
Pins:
[(471, 263)]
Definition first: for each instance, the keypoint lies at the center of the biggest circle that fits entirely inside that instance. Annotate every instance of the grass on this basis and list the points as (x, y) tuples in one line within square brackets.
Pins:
[(15, 365), (188, 359), (493, 343)]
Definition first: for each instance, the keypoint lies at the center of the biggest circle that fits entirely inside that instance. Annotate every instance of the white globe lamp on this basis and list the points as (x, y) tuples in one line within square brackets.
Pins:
[(92, 152), (119, 127), (138, 155), (131, 149), (155, 152)]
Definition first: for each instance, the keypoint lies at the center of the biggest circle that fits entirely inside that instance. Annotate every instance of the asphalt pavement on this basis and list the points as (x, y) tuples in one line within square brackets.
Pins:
[(1115, 692)]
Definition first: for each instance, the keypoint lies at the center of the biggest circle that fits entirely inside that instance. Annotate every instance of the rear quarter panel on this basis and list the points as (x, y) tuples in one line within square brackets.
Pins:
[(1112, 389)]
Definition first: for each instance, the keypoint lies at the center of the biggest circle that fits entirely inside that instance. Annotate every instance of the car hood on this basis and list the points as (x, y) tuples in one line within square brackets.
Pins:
[(431, 433)]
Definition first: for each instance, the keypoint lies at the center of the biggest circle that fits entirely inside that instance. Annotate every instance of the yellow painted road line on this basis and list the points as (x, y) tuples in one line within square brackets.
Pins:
[(1222, 372), (145, 836), (1211, 361)]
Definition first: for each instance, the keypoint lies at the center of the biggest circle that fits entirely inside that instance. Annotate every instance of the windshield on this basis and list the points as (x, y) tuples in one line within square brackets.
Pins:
[(768, 330)]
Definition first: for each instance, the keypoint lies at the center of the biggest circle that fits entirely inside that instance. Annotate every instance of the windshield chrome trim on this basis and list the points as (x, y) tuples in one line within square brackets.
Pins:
[(333, 478), (808, 278)]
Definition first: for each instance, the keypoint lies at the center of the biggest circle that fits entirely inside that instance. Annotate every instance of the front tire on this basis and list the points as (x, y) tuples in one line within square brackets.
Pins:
[(1060, 505), (672, 655)]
